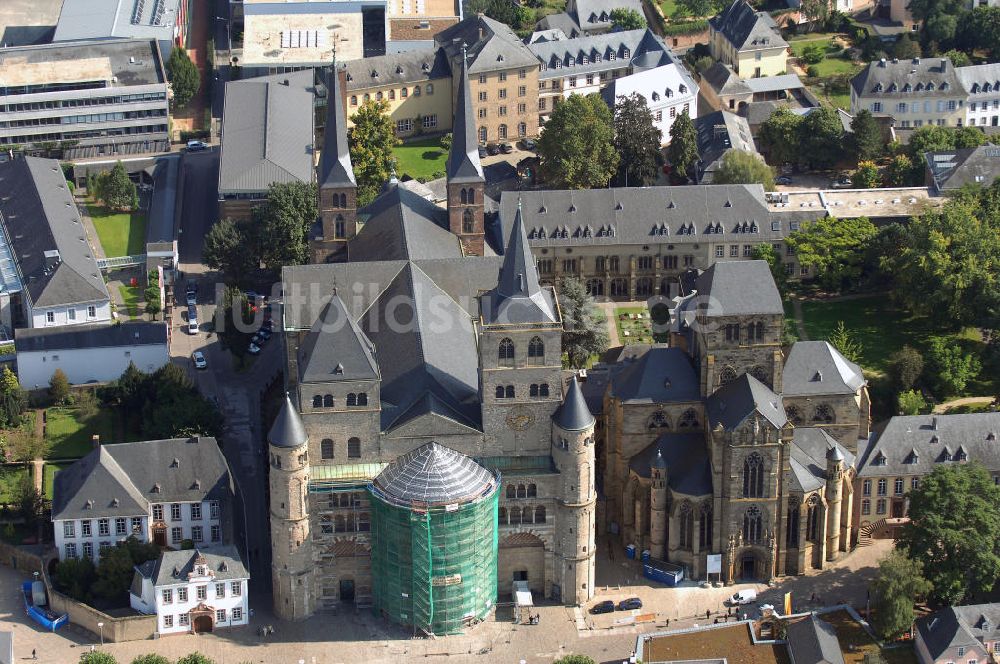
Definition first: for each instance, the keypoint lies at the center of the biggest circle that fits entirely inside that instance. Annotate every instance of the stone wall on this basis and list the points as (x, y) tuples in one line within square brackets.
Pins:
[(21, 558), (115, 630)]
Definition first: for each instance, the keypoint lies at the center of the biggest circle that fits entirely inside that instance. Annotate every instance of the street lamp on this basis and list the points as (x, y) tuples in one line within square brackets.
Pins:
[(100, 626)]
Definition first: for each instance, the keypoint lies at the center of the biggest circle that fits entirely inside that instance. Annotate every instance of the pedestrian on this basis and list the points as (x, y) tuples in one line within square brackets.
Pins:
[(33, 654), (708, 614)]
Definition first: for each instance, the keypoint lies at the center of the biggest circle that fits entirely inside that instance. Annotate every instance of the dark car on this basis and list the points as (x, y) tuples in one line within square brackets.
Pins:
[(529, 144), (264, 332), (629, 604), (506, 148), (784, 179), (492, 149), (482, 151), (607, 606)]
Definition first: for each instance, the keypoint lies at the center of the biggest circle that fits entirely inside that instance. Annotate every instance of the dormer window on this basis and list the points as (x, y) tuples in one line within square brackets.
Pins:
[(425, 67), (656, 96), (907, 88), (975, 88), (597, 57), (585, 60), (920, 87), (879, 460), (930, 86), (374, 73), (893, 87), (682, 88), (877, 88), (626, 53), (570, 61), (399, 70), (945, 85), (612, 55)]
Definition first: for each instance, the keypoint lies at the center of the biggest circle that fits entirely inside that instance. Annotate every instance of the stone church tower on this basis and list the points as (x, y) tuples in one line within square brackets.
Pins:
[(291, 550), (466, 182), (338, 190)]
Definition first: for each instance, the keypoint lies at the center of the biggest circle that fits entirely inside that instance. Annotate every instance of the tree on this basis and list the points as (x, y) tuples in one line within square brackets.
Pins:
[(446, 141), (12, 399), (577, 148), (816, 11), (372, 139), (949, 368), (234, 323), (176, 408), (779, 136), (906, 48), (899, 173), (116, 189), (184, 77), (637, 141), (867, 176), (766, 252), (682, 153), (821, 137), (954, 529), (227, 249), (979, 29), (29, 501), (74, 576), (842, 339), (905, 367), (584, 329), (195, 658), (896, 588), (509, 13), (740, 167), (968, 137), (97, 657), (151, 658), (627, 19), (24, 444), (574, 659), (911, 402), (699, 8), (834, 247), (152, 295), (59, 387), (813, 54), (284, 222), (958, 58), (866, 137), (117, 567)]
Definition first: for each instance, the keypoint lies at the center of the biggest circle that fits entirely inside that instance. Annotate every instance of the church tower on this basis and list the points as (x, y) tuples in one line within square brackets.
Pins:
[(834, 495), (466, 182), (291, 551), (573, 454), (658, 510), (338, 190)]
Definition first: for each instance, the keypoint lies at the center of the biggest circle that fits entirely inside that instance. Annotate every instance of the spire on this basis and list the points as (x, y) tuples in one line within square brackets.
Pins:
[(288, 429), (335, 162), (463, 160), (573, 414)]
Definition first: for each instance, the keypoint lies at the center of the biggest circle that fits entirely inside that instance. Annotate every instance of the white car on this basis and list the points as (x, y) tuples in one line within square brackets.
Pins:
[(254, 349), (196, 146), (199, 360)]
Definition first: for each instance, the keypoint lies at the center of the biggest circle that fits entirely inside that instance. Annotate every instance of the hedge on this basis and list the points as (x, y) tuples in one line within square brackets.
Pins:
[(685, 28)]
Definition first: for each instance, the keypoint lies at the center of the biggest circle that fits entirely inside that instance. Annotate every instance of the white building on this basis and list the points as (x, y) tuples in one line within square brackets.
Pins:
[(982, 82), (668, 91), (193, 590), (164, 491), (88, 353)]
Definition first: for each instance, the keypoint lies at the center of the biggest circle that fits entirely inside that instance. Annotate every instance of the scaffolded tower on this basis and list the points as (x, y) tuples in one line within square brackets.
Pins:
[(434, 540)]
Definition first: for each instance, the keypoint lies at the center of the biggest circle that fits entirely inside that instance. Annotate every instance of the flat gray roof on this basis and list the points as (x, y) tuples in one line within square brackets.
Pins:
[(116, 63), (101, 19)]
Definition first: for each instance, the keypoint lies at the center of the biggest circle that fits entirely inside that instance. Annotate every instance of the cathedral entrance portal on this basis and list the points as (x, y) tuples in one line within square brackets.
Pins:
[(347, 590), (747, 566)]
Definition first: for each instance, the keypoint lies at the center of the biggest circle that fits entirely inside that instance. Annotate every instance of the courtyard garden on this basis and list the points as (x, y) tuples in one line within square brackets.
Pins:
[(132, 297), (120, 233), (826, 61), (10, 479), (635, 325), (68, 432), (422, 159)]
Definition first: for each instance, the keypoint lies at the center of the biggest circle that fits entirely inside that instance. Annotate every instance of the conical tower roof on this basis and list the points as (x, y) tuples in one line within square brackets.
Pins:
[(518, 297), (573, 414), (335, 162), (433, 475), (463, 160), (288, 429)]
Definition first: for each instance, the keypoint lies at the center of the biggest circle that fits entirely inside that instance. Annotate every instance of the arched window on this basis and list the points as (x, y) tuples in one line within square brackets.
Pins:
[(733, 333), (689, 419), (753, 476), (527, 515), (354, 448), (326, 448), (792, 532), (340, 524), (515, 516), (511, 491), (543, 390), (343, 200), (522, 492), (823, 414), (499, 391), (470, 195), (328, 400), (532, 491), (364, 522), (536, 351), (502, 516), (352, 399), (317, 401), (686, 523), (505, 355), (760, 373), (533, 390), (705, 524), (813, 531), (462, 197), (658, 420), (760, 331), (750, 332), (752, 525), (540, 514), (509, 392), (726, 376), (362, 398), (613, 264), (794, 415), (468, 221)]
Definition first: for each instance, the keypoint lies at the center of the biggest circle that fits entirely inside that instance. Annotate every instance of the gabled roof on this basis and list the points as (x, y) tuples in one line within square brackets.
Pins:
[(660, 375), (463, 158), (562, 22), (498, 48), (596, 14), (738, 288), (953, 169), (288, 429), (915, 79), (135, 474), (573, 414), (83, 337), (335, 169), (734, 402), (268, 132), (980, 79), (434, 475), (411, 67), (724, 80), (718, 133), (746, 28), (336, 349), (946, 629), (810, 447), (402, 225), (686, 458), (816, 367), (591, 53), (47, 238), (813, 641), (173, 567)]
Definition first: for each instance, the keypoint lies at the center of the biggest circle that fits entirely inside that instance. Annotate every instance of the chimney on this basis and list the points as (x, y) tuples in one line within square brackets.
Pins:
[(52, 259), (934, 424), (881, 62), (95, 441), (944, 64)]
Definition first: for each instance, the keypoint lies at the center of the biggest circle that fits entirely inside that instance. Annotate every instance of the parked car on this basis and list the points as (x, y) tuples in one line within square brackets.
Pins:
[(492, 149), (264, 333), (258, 340), (784, 179), (199, 360), (842, 182), (607, 606), (268, 325), (743, 597), (191, 298), (196, 146), (506, 148), (529, 144), (254, 349), (192, 320), (482, 151), (629, 604)]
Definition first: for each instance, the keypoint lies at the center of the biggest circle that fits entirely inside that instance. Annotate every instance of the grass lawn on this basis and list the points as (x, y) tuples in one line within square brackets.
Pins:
[(636, 321), (120, 233), (668, 7), (131, 297), (10, 477), (69, 437), (812, 37), (49, 476), (834, 66), (798, 47), (420, 159)]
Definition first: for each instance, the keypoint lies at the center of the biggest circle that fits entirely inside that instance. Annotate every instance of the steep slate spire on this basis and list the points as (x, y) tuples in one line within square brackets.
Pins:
[(288, 429), (573, 414), (335, 163), (463, 160)]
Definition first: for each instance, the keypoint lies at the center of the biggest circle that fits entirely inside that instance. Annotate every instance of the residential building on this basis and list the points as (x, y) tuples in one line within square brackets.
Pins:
[(88, 353), (915, 92), (503, 73), (982, 83), (94, 98), (50, 274), (718, 134), (909, 447), (949, 171), (267, 138), (161, 491), (586, 17), (669, 91), (959, 634), (166, 21), (813, 641), (748, 41), (193, 590)]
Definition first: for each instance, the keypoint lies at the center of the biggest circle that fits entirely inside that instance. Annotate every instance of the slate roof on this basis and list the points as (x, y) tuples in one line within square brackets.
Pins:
[(40, 216), (813, 641), (774, 83), (122, 479), (573, 414), (953, 169), (82, 337), (976, 78), (268, 132), (888, 79), (336, 349), (288, 429), (335, 169), (173, 567), (816, 367), (498, 49), (562, 22), (434, 475), (746, 28), (734, 402), (402, 225), (738, 288), (645, 50), (911, 445), (810, 446), (660, 375), (596, 14), (956, 626), (724, 80), (417, 66), (666, 80), (718, 133), (688, 468), (463, 157)]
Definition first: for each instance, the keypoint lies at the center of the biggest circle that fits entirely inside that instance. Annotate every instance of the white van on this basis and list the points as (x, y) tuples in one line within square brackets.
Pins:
[(743, 597), (192, 320)]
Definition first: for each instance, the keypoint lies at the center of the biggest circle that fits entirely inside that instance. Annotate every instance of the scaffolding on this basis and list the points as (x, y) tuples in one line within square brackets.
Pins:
[(434, 540)]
